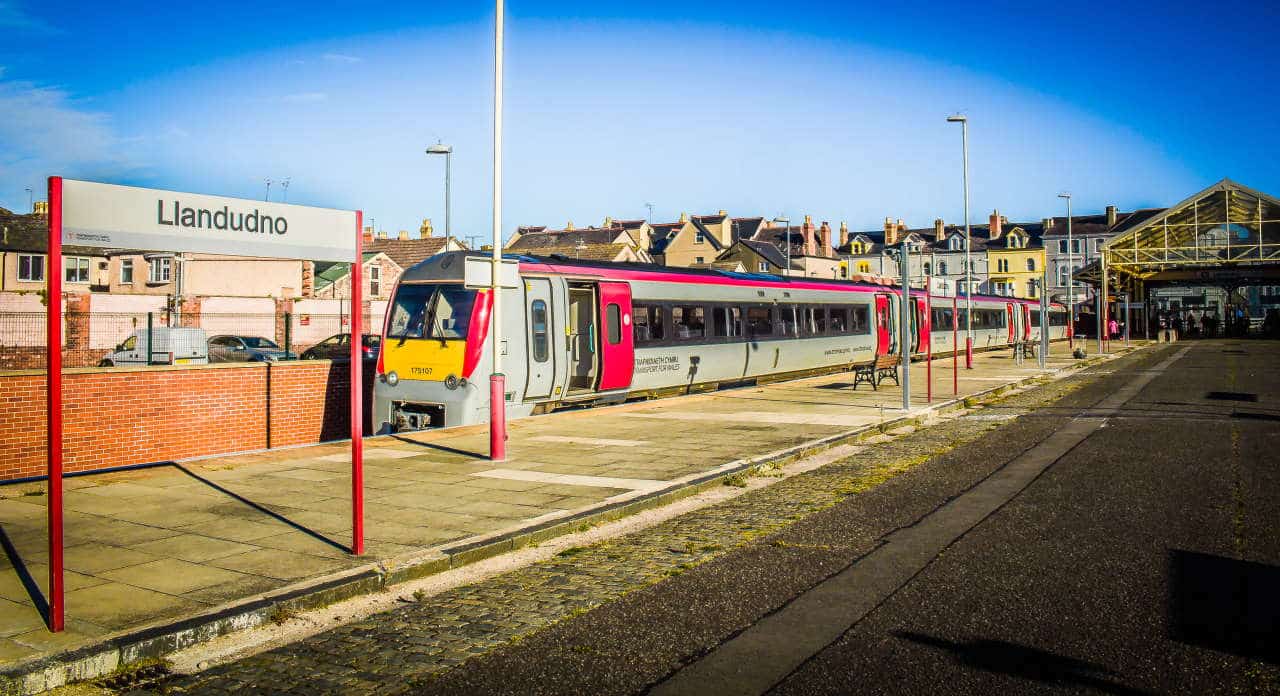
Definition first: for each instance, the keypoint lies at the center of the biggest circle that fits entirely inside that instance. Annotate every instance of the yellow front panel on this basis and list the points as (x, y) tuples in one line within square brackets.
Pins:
[(423, 358)]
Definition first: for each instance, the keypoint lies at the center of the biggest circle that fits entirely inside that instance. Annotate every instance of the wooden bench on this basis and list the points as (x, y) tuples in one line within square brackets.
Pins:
[(884, 367)]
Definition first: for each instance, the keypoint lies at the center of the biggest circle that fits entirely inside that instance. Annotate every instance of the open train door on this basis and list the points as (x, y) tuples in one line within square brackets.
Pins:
[(1013, 329), (884, 326), (1026, 323), (617, 344), (923, 325)]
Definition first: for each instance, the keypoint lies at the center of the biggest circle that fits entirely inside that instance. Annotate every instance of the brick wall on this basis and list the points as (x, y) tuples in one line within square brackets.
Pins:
[(138, 416)]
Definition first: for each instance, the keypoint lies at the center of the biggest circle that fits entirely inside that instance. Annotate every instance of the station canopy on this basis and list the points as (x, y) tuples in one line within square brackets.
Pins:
[(1225, 235)]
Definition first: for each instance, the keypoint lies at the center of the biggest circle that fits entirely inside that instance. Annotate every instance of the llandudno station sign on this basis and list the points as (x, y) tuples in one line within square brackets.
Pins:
[(90, 214)]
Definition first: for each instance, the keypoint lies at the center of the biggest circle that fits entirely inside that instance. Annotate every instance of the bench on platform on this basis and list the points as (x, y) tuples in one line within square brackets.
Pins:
[(884, 367)]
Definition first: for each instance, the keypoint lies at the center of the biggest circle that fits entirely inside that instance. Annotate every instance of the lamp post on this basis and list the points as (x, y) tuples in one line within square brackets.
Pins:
[(905, 328), (968, 265), (1071, 281), (446, 150), (786, 222), (30, 201), (497, 381)]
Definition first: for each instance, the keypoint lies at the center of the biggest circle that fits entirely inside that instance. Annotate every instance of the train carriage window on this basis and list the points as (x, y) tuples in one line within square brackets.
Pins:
[(688, 321), (538, 312), (725, 321), (613, 324), (788, 319), (840, 320), (819, 321), (941, 319), (861, 320), (759, 321), (647, 321)]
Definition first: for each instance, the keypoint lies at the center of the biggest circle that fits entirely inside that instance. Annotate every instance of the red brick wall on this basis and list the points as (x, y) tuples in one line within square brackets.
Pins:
[(120, 417)]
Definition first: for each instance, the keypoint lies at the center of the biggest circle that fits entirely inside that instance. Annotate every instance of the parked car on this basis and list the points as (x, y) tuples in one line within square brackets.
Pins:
[(338, 347), (246, 349), (173, 346)]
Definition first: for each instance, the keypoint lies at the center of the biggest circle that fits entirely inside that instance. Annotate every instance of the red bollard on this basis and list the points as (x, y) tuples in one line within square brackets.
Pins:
[(498, 418)]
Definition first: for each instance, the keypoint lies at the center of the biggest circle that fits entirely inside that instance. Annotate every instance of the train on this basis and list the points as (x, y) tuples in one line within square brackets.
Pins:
[(578, 333)]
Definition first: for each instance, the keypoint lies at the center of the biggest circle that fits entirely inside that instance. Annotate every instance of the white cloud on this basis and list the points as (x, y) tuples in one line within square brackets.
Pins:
[(44, 133), (342, 58), (14, 17), (305, 97)]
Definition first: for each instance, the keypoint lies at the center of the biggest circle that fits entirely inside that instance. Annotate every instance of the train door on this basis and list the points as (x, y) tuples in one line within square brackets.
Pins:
[(1013, 331), (582, 338), (923, 325), (541, 356), (884, 324), (617, 344), (1026, 323)]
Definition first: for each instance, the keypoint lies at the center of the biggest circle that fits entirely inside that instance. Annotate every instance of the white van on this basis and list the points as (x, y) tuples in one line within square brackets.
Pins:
[(174, 346)]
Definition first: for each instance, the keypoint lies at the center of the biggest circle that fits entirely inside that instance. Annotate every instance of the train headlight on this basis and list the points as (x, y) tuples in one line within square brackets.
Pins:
[(451, 382), (392, 378), (462, 382)]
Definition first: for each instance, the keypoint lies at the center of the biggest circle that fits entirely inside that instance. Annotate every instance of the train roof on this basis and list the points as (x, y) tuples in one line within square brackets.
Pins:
[(447, 266)]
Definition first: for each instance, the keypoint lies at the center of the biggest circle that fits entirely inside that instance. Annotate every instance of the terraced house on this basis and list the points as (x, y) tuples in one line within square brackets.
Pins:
[(1015, 258)]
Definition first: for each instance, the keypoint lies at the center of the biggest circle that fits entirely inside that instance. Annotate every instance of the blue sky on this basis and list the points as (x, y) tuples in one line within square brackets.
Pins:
[(830, 109)]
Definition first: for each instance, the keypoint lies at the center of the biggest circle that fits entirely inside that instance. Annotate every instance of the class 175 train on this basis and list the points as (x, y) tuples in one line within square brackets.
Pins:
[(578, 333)]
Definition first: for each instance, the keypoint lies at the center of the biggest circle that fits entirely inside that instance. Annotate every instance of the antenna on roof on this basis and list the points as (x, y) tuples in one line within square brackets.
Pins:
[(267, 197), (647, 205)]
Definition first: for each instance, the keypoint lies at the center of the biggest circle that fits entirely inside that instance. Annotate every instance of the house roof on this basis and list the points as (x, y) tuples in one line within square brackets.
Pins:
[(766, 251), (745, 227), (537, 242), (330, 272), (31, 233), (589, 252), (406, 252)]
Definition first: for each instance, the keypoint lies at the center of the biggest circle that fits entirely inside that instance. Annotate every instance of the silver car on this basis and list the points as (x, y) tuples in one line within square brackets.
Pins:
[(246, 349)]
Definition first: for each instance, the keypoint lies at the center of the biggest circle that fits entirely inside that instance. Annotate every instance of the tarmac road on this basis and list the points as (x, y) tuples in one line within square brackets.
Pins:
[(1124, 538)]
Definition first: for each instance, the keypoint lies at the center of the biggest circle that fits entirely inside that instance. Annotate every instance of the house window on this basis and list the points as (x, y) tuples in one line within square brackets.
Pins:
[(1014, 242), (1097, 244), (76, 269), (1064, 275), (1002, 265), (864, 267), (844, 270), (764, 267), (375, 281), (955, 243), (160, 270), (126, 271), (31, 268), (697, 259), (928, 268), (700, 238), (1031, 264), (1075, 246), (942, 268), (1062, 246), (1031, 288)]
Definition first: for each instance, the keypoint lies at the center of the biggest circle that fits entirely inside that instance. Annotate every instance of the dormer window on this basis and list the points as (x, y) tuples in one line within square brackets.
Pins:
[(1014, 242), (955, 243)]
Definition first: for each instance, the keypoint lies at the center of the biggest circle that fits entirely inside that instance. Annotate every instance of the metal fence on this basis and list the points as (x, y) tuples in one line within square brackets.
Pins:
[(93, 338)]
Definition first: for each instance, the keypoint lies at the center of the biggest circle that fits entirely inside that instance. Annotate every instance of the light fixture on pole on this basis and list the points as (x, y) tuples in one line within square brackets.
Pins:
[(267, 197), (786, 222), (1071, 281), (446, 150), (968, 265), (650, 207), (284, 185), (497, 381)]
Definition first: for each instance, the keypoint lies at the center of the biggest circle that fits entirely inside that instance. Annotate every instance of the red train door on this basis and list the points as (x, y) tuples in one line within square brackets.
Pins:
[(884, 337), (1012, 327), (1026, 322), (924, 325), (617, 345)]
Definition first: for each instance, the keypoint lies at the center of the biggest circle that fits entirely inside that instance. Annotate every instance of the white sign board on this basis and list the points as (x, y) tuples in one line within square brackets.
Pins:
[(478, 273), (126, 217), (942, 287)]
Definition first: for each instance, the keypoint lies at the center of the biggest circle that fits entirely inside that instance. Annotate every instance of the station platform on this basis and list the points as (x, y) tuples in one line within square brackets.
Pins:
[(165, 557)]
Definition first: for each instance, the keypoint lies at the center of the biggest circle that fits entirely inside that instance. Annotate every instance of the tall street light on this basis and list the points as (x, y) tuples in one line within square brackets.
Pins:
[(968, 265), (446, 150), (497, 381), (786, 223), (1071, 269)]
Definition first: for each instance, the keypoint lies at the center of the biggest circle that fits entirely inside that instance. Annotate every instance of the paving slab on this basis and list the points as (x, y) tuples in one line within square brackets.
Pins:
[(163, 543)]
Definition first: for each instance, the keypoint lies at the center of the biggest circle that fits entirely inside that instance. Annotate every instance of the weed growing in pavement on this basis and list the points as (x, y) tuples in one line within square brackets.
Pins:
[(419, 595), (572, 551), (738, 480), (281, 614), (33, 492)]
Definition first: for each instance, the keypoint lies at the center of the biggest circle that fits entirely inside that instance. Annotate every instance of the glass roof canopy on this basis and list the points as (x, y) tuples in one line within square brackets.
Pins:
[(1227, 233)]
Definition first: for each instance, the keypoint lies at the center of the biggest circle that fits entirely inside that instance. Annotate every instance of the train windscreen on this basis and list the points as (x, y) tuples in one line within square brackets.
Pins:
[(438, 311)]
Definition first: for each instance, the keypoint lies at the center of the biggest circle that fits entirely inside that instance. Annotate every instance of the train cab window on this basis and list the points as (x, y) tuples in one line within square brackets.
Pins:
[(538, 312), (688, 321), (759, 321), (725, 321), (613, 324), (431, 311), (647, 321)]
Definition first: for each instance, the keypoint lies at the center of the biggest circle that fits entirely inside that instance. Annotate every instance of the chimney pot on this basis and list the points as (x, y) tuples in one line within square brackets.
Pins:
[(996, 225), (425, 231), (1111, 216), (723, 212), (890, 232), (825, 231), (569, 225), (608, 221), (684, 217), (404, 234), (844, 234), (368, 234), (40, 208), (939, 228)]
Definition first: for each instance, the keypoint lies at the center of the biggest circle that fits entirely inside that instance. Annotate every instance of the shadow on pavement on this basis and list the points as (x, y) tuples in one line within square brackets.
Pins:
[(1225, 604), (261, 508), (441, 448), (1025, 662), (24, 575)]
